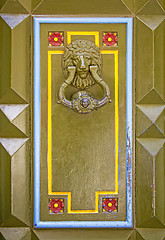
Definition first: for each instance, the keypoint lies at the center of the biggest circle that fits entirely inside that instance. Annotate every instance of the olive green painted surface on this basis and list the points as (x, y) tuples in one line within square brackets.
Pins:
[(84, 234), (82, 7), (5, 56), (150, 95), (5, 186), (2, 3), (148, 52), (152, 7), (13, 7), (83, 145), (14, 125), (159, 56), (35, 3), (21, 59)]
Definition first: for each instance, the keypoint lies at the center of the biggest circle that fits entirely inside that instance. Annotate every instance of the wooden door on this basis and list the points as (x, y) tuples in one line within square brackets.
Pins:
[(72, 175)]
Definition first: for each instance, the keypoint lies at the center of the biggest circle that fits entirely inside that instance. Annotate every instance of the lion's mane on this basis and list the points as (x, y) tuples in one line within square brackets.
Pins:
[(81, 46)]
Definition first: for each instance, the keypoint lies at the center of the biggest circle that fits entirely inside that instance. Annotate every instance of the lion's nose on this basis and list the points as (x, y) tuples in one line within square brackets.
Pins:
[(82, 63)]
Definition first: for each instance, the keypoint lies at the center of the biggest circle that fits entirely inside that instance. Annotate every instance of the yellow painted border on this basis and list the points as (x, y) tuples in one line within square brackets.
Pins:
[(115, 52), (68, 194), (96, 34)]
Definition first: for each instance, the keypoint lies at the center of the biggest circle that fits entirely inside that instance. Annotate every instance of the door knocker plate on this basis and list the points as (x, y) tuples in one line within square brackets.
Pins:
[(81, 65)]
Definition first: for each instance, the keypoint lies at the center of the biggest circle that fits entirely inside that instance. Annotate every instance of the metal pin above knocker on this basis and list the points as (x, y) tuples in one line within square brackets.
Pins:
[(81, 65)]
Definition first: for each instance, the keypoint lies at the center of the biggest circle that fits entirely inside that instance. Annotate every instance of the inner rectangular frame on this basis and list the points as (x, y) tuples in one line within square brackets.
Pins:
[(85, 224), (97, 193)]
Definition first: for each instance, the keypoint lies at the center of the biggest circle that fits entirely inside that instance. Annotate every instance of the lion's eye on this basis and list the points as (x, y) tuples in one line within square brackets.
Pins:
[(75, 60)]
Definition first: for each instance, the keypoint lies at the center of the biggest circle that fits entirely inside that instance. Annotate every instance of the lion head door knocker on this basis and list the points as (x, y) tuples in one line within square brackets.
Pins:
[(81, 64)]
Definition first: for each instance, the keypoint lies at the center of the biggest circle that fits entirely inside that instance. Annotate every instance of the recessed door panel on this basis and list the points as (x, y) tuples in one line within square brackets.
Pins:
[(84, 124)]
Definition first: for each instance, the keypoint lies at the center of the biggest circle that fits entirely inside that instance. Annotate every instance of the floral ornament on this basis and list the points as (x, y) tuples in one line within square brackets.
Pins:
[(110, 205), (55, 39), (56, 205), (110, 39)]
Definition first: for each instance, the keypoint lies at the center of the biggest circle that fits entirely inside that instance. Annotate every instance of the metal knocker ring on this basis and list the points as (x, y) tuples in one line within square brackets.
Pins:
[(81, 64)]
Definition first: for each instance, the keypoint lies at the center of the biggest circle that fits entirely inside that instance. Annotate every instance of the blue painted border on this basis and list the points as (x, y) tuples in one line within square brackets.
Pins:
[(37, 124)]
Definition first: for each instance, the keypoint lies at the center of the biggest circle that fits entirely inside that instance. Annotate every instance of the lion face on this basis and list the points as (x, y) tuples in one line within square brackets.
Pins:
[(82, 54), (82, 61)]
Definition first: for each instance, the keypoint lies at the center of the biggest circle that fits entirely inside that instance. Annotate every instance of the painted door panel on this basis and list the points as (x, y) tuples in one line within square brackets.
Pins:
[(76, 143)]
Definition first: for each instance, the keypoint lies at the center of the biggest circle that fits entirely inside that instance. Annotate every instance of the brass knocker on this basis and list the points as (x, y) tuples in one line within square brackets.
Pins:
[(81, 64)]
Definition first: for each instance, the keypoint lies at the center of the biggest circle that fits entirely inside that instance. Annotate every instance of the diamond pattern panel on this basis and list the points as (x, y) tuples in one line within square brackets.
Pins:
[(150, 120), (14, 127), (150, 164), (8, 130), (12, 110)]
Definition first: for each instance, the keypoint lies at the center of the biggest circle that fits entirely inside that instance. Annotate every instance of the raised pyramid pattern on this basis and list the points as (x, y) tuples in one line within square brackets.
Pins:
[(13, 7), (139, 237), (129, 5), (152, 145), (152, 111), (16, 233), (12, 110), (152, 233), (26, 4), (154, 127), (151, 8), (152, 21), (11, 145), (13, 20), (152, 97), (142, 121), (11, 97), (152, 132), (139, 5)]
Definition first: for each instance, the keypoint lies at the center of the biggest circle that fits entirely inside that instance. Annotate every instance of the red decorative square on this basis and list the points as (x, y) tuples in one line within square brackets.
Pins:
[(110, 205), (56, 205), (56, 39), (110, 39)]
